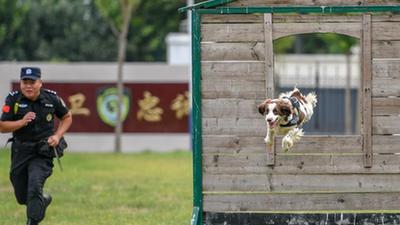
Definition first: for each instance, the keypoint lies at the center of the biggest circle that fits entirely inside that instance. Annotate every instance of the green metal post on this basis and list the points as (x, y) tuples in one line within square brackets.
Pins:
[(196, 120)]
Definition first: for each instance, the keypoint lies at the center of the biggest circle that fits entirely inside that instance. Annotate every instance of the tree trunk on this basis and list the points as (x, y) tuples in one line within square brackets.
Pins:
[(122, 40)]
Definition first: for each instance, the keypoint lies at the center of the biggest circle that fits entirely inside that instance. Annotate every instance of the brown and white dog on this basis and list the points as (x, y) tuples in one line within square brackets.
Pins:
[(286, 114)]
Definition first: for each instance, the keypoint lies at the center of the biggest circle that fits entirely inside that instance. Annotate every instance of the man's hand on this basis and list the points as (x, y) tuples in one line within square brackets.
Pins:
[(11, 126), (63, 126), (53, 140), (29, 117)]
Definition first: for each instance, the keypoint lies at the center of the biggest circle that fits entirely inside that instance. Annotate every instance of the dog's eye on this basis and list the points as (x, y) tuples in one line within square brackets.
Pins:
[(267, 111), (275, 111)]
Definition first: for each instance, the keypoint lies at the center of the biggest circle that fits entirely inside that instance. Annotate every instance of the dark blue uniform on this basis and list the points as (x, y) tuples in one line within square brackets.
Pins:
[(29, 168)]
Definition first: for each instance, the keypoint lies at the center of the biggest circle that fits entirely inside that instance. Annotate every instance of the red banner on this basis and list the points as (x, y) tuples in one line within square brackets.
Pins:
[(147, 107)]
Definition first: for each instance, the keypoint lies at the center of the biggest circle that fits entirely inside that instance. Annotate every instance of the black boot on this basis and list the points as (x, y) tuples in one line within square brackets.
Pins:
[(32, 222), (47, 200)]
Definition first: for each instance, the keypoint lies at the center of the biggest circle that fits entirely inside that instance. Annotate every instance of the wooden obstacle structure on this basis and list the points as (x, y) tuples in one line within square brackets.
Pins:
[(238, 181)]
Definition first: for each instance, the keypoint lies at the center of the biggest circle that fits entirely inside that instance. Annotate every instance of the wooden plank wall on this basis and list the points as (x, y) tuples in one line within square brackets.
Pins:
[(321, 172), (311, 3)]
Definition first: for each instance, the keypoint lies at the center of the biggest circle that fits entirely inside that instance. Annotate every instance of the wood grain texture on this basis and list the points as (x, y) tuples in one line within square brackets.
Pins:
[(255, 51), (238, 32), (269, 58), (386, 78), (386, 68), (366, 88), (385, 31), (230, 144), (247, 71), (385, 125), (233, 126), (312, 144), (279, 18), (241, 89), (231, 108), (385, 49), (254, 32), (302, 183), (386, 106), (386, 144), (269, 78), (252, 164), (386, 87), (302, 202), (308, 145)]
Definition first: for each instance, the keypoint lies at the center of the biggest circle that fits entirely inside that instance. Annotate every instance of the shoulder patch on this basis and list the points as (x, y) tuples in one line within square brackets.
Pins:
[(12, 93), (6, 108), (50, 91)]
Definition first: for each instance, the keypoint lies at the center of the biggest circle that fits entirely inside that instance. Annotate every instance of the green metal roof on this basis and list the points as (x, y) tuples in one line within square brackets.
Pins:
[(211, 7), (206, 4), (301, 9)]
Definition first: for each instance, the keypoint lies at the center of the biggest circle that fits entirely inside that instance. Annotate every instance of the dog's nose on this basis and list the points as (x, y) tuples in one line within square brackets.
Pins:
[(269, 120)]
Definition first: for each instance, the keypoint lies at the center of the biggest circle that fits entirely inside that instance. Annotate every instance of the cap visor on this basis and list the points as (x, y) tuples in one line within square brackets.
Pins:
[(29, 78)]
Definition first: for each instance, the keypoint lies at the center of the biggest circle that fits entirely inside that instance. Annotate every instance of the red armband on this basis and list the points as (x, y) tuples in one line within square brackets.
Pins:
[(6, 108)]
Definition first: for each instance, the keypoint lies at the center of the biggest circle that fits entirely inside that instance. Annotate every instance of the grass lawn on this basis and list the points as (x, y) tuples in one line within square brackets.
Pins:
[(110, 189)]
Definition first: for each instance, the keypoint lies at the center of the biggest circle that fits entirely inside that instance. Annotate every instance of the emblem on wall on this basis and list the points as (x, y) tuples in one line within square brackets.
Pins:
[(107, 105)]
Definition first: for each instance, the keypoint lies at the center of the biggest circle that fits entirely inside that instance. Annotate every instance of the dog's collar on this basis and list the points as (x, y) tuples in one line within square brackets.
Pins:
[(294, 101), (292, 122), (296, 105)]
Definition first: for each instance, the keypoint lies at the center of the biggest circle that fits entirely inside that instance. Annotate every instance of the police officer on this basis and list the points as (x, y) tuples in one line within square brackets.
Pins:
[(29, 115)]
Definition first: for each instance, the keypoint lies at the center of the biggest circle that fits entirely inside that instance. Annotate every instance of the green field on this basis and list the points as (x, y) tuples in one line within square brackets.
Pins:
[(140, 189)]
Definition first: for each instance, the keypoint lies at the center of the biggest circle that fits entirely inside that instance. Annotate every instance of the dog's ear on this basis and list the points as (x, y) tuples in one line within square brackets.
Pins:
[(261, 107), (284, 108)]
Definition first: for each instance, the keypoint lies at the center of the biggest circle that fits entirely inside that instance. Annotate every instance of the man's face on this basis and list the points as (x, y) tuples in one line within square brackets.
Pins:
[(31, 88)]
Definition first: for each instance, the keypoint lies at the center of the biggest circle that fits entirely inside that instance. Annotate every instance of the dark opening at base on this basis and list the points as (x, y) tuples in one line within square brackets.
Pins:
[(301, 219)]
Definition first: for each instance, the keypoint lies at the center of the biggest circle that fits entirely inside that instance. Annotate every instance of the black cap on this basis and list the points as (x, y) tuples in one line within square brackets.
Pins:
[(32, 73)]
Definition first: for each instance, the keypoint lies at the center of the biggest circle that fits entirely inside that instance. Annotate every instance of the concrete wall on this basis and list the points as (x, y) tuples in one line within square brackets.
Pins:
[(105, 72)]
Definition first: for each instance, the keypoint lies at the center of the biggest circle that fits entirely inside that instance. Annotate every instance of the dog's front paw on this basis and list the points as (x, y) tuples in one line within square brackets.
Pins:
[(266, 140), (287, 144)]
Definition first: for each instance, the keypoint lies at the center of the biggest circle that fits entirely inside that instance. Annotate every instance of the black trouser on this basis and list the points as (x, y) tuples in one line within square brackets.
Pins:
[(28, 174)]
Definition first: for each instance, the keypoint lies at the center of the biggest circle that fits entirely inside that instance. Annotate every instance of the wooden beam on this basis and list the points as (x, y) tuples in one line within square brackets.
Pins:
[(218, 183), (299, 18), (308, 145), (367, 90), (269, 56), (252, 164), (233, 70), (301, 201), (269, 76)]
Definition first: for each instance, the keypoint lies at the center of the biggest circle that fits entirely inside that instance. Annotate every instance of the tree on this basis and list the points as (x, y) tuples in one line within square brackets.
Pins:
[(54, 30), (316, 43), (75, 30), (119, 14), (12, 15), (152, 21)]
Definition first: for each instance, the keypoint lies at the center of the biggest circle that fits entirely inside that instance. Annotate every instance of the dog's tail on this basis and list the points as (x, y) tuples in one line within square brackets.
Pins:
[(312, 98)]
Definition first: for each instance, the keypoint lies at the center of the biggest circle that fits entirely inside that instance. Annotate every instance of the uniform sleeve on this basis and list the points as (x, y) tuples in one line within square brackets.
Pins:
[(60, 108), (7, 109)]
